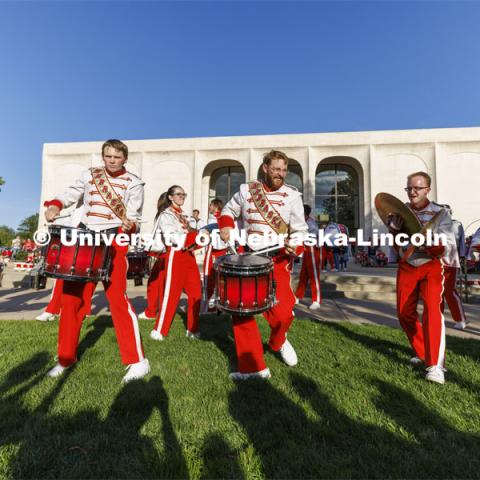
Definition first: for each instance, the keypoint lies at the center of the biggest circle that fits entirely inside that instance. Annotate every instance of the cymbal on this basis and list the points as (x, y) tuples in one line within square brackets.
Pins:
[(387, 204)]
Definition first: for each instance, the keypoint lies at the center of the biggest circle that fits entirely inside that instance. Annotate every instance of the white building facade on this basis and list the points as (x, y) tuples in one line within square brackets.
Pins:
[(338, 173)]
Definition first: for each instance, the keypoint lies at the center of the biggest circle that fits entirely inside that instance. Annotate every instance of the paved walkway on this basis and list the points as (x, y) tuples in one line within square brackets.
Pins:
[(26, 304)]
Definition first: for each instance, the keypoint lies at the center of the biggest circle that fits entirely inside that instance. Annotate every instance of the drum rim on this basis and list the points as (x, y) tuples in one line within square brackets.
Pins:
[(221, 261), (76, 278)]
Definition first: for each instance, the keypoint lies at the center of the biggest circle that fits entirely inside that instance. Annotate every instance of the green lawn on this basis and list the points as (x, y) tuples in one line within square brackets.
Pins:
[(352, 408)]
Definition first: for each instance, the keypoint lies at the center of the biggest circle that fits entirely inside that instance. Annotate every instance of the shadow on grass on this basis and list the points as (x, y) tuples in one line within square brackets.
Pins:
[(83, 445), (218, 330), (441, 451), (391, 349), (219, 460), (334, 445)]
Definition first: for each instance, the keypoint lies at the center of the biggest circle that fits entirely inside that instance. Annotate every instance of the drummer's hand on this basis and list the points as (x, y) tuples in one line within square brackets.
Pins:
[(225, 234), (289, 249), (128, 225), (51, 213), (394, 223)]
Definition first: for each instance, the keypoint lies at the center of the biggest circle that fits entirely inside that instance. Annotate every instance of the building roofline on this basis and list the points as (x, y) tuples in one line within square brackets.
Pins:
[(285, 140)]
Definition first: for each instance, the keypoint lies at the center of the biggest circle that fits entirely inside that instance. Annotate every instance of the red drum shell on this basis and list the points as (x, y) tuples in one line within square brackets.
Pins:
[(82, 263), (244, 284)]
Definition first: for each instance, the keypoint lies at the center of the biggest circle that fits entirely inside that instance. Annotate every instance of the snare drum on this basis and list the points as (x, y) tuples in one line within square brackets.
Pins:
[(138, 264), (80, 263), (244, 284)]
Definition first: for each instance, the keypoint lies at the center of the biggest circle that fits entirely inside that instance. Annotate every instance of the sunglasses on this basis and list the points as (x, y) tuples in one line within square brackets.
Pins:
[(415, 189)]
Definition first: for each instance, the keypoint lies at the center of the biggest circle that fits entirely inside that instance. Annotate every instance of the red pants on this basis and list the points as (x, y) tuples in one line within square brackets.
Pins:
[(55, 304), (77, 295), (327, 255), (427, 338), (451, 295), (248, 342), (310, 273), (155, 285), (181, 273), (208, 273)]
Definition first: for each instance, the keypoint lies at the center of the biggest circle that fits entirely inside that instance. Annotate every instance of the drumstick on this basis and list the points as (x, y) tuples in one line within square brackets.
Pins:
[(266, 250)]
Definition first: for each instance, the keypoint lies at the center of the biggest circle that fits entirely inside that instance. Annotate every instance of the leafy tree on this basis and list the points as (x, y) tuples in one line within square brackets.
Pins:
[(28, 226), (7, 234), (2, 182)]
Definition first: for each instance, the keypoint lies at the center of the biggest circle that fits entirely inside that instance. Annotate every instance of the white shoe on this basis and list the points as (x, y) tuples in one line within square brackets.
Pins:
[(142, 316), (324, 271), (137, 370), (154, 335), (435, 374), (416, 361), (192, 335), (265, 373), (212, 303), (314, 306), (458, 325), (57, 370), (288, 354), (335, 270), (297, 301), (45, 317)]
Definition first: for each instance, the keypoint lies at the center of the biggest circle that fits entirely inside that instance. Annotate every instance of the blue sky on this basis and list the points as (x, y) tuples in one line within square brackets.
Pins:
[(81, 71)]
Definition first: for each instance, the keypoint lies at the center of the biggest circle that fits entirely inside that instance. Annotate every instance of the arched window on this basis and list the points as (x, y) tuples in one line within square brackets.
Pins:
[(336, 195), (224, 182)]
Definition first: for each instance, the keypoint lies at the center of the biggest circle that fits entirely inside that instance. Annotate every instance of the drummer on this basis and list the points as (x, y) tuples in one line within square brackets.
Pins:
[(422, 275), (269, 206), (112, 198)]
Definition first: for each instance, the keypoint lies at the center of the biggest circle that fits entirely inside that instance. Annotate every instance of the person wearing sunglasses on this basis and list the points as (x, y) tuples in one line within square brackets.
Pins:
[(421, 275), (181, 270)]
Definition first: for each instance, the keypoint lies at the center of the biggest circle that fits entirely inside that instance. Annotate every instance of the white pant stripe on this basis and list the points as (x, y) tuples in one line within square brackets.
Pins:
[(166, 294), (441, 351), (138, 341)]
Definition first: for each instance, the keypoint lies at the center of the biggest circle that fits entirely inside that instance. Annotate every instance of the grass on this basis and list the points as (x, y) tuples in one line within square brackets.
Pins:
[(352, 408)]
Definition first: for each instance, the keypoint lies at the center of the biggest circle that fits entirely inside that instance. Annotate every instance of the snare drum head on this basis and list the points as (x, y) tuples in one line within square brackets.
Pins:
[(245, 261)]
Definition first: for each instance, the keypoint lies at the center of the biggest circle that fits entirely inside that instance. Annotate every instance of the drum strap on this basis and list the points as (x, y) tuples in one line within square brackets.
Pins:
[(107, 192), (266, 209)]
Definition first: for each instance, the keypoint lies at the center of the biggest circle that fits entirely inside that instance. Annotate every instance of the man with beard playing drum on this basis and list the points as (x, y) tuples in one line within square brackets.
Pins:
[(267, 207)]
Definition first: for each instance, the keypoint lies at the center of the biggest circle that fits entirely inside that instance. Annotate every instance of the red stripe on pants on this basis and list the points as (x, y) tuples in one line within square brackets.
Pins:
[(181, 274), (451, 295), (426, 282), (310, 273), (155, 285), (76, 296), (248, 341)]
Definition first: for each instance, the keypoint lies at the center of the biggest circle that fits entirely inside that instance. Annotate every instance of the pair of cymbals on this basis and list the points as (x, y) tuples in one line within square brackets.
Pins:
[(388, 205)]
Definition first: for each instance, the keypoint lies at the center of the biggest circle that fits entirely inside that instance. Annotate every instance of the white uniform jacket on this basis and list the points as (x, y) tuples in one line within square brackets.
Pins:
[(173, 225), (287, 201), (97, 215), (450, 255)]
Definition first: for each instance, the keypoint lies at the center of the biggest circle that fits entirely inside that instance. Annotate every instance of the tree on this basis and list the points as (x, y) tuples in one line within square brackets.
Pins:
[(7, 234), (2, 182), (28, 226)]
